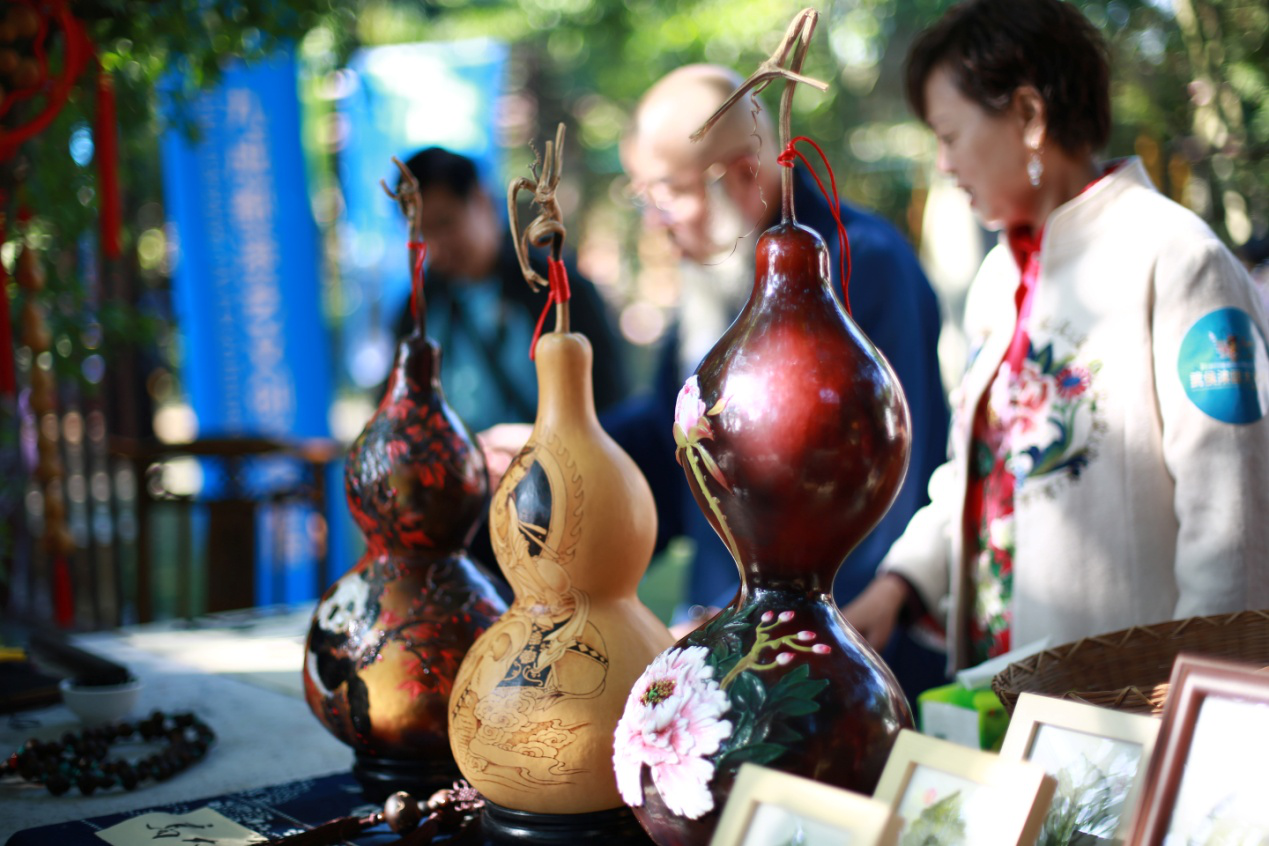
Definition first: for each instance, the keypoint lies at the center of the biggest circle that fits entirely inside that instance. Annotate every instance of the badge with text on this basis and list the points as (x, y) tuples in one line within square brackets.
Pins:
[(202, 826), (1224, 366)]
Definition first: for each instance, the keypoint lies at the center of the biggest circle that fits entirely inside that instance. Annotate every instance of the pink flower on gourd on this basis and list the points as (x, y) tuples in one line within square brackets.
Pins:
[(672, 724)]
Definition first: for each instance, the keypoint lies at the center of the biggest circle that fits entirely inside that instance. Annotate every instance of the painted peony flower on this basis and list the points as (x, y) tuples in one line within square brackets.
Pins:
[(672, 723)]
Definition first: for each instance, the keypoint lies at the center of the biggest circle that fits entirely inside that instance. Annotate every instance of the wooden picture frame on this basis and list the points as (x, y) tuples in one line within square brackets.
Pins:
[(1099, 793), (996, 802), (1215, 722), (763, 801)]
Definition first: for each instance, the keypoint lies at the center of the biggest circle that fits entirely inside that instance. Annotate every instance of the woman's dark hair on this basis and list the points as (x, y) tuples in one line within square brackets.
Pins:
[(992, 47)]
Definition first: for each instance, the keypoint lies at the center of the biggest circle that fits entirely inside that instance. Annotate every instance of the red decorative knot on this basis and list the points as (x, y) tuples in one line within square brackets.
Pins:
[(419, 248), (788, 158), (557, 277)]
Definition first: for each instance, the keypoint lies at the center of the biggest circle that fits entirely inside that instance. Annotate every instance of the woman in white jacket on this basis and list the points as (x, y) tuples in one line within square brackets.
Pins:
[(1110, 448)]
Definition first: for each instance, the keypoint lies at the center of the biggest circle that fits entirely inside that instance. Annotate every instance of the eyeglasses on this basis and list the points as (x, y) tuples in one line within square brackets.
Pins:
[(674, 197)]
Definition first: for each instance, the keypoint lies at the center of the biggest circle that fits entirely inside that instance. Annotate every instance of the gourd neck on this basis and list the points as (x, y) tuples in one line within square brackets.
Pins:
[(417, 368), (566, 395), (791, 261)]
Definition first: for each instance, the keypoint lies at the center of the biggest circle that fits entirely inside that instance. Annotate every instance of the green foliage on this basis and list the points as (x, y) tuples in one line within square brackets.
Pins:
[(1191, 96), (590, 61), (941, 823)]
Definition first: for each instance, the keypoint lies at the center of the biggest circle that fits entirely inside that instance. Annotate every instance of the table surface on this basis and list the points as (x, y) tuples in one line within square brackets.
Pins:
[(239, 672)]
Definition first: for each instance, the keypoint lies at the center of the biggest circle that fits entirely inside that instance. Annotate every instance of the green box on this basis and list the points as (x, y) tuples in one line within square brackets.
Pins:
[(972, 718)]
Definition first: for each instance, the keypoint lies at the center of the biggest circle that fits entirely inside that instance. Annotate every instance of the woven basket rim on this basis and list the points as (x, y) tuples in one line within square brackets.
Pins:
[(1139, 657)]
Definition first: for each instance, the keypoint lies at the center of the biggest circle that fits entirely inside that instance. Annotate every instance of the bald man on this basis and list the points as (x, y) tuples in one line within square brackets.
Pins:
[(714, 198)]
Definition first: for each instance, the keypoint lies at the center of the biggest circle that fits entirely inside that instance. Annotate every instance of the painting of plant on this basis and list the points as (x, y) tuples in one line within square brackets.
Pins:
[(1094, 777), (774, 825), (942, 809)]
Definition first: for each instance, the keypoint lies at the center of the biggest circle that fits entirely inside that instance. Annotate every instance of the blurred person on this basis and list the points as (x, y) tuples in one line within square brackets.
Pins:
[(714, 198), (479, 307), (482, 313), (1110, 453)]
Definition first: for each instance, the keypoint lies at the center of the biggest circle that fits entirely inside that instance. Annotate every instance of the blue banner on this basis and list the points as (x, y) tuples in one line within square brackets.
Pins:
[(247, 284), (247, 291)]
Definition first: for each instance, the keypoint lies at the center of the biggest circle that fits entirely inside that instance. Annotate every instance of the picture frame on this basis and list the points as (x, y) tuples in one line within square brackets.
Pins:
[(948, 793), (1098, 756), (1207, 780), (765, 804)]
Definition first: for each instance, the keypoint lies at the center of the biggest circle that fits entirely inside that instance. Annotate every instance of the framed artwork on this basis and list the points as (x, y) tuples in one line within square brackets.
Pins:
[(1098, 757), (1208, 782), (770, 808), (952, 795)]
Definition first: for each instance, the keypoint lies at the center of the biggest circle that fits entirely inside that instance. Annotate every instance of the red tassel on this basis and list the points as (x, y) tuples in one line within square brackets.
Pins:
[(107, 155), (557, 277), (786, 160), (419, 248)]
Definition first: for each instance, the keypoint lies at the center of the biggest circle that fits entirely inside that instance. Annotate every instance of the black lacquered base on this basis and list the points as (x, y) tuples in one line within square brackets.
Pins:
[(380, 777), (501, 826)]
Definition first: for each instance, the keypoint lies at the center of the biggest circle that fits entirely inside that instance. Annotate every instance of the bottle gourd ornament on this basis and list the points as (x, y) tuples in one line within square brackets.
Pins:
[(573, 527), (387, 638), (794, 437)]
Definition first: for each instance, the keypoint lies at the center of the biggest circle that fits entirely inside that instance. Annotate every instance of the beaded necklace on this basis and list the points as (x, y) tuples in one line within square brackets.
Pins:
[(80, 759)]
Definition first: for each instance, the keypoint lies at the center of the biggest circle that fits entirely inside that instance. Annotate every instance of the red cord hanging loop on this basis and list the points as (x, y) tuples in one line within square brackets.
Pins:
[(419, 248), (107, 156), (788, 159), (557, 277)]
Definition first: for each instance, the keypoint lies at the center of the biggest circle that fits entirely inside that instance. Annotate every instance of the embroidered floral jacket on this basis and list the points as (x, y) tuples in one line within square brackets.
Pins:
[(1141, 463)]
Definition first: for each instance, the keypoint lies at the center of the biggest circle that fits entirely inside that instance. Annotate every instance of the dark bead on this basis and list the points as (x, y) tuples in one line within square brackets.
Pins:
[(32, 745), (143, 769), (125, 729), (128, 778), (57, 785), (105, 782), (70, 739), (402, 812), (86, 784), (183, 720)]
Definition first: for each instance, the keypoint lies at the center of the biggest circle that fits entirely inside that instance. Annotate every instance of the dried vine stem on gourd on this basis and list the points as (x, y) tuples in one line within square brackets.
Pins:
[(548, 226), (796, 41), (410, 198)]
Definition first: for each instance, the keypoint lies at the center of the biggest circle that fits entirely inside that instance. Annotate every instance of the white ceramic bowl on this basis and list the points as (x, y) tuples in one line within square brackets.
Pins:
[(99, 704)]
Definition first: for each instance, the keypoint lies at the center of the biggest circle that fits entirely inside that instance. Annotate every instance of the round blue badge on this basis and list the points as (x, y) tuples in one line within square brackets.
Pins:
[(1224, 366)]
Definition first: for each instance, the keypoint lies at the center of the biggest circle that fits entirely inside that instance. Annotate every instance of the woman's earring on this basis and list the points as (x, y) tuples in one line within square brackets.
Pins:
[(1035, 169)]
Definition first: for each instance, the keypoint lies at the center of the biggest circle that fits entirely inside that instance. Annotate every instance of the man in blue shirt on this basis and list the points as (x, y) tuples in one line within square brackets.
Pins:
[(713, 198)]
